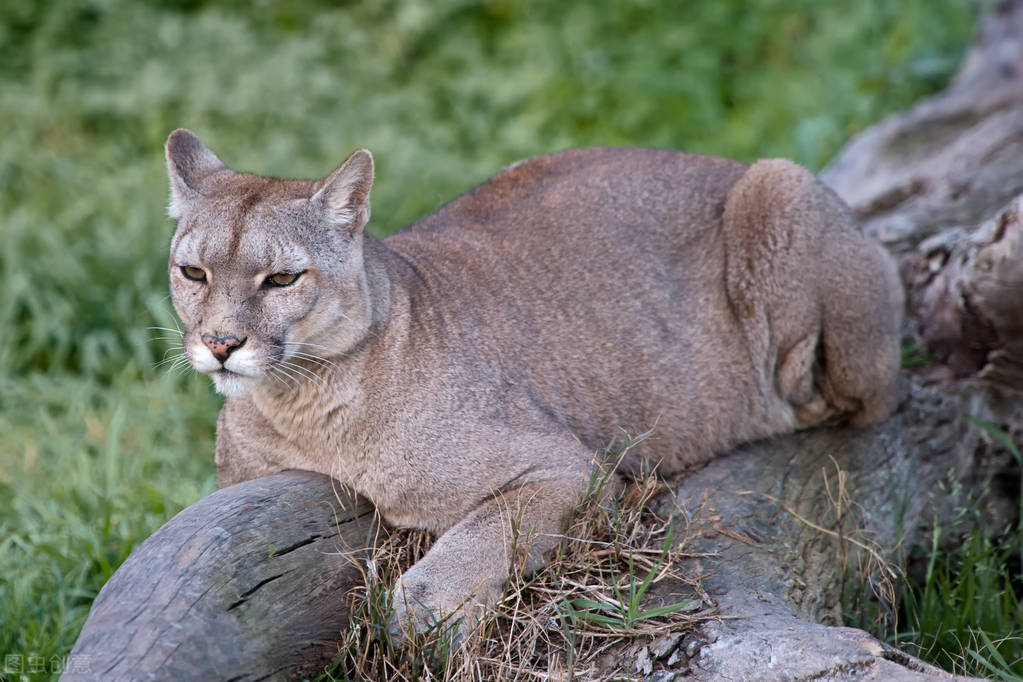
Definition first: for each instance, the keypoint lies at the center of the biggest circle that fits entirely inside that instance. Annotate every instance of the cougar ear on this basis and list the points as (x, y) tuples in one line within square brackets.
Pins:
[(343, 196), (188, 162)]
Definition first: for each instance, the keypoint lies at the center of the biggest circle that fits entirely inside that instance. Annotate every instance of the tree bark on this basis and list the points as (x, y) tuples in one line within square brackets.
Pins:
[(952, 160), (248, 583), (783, 524)]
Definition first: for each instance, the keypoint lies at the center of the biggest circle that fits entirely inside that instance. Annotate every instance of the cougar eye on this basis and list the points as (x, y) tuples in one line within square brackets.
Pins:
[(282, 279), (194, 274)]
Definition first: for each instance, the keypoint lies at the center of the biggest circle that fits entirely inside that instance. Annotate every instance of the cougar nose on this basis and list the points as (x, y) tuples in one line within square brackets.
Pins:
[(222, 346)]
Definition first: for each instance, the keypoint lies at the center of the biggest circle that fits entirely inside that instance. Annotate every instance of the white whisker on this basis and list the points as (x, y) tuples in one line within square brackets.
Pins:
[(180, 368), (273, 374), (305, 371), (287, 381), (174, 359), (310, 345), (295, 379), (322, 362), (308, 373), (166, 329), (312, 357)]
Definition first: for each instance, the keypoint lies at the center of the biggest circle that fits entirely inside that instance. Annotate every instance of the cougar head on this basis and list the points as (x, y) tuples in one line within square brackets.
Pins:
[(266, 274)]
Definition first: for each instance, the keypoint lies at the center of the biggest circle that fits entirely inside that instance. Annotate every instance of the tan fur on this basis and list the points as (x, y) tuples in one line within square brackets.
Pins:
[(462, 373)]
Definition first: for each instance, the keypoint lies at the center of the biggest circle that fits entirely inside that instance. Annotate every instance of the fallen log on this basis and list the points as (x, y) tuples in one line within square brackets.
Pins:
[(785, 523), (249, 583)]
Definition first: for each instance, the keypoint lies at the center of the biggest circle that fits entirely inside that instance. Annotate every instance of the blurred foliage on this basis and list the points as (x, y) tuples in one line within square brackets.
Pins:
[(444, 94), (99, 446), (86, 472)]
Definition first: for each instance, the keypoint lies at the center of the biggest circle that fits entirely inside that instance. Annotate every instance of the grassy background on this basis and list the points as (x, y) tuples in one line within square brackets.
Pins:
[(98, 447)]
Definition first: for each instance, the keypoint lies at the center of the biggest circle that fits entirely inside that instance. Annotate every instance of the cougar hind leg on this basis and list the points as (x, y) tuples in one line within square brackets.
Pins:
[(819, 302)]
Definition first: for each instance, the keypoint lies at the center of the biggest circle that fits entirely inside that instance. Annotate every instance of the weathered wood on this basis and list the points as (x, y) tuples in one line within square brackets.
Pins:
[(953, 159), (777, 579), (249, 583), (965, 289)]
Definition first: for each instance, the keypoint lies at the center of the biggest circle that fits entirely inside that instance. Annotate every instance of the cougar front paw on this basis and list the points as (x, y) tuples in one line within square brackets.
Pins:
[(422, 605)]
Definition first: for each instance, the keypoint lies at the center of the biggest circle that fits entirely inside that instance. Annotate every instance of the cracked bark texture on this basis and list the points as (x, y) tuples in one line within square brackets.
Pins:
[(779, 522), (249, 582)]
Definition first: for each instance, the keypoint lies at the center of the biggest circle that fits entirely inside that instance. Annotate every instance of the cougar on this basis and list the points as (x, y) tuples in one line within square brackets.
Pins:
[(463, 373)]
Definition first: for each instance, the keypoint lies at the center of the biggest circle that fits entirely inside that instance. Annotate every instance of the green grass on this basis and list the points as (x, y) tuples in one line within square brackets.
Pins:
[(965, 615), (88, 471), (961, 607), (962, 611), (624, 609), (98, 447)]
